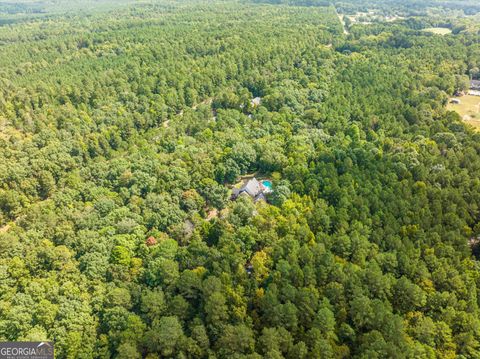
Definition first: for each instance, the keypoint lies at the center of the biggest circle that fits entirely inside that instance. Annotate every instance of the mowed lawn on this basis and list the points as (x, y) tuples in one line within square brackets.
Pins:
[(438, 30), (468, 109)]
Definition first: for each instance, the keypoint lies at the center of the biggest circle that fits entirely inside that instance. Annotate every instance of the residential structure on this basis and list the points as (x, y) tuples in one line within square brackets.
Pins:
[(252, 188), (256, 102), (475, 85), (474, 88)]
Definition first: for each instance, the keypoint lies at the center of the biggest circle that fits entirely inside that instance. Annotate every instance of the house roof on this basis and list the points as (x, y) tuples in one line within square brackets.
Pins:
[(256, 101), (475, 83), (253, 187)]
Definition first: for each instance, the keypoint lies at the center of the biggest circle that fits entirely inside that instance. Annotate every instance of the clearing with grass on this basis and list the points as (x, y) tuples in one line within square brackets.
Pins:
[(468, 109), (438, 30)]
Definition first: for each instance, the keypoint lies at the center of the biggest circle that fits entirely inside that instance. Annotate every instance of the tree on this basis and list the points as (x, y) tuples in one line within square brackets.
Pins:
[(164, 337)]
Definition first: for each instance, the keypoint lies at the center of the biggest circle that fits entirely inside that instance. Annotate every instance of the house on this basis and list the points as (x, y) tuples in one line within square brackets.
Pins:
[(256, 102), (475, 85), (474, 88), (252, 188)]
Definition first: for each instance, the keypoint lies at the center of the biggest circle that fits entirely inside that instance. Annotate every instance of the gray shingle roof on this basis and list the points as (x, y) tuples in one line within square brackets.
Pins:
[(253, 187), (475, 84)]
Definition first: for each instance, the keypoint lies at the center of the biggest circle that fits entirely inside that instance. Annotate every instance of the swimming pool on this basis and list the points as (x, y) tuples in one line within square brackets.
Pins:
[(268, 185)]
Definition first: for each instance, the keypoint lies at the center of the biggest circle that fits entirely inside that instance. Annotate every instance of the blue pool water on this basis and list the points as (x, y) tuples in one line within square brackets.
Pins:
[(267, 184)]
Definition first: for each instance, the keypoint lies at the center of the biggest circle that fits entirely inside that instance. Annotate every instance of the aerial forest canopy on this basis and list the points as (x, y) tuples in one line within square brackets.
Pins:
[(124, 130)]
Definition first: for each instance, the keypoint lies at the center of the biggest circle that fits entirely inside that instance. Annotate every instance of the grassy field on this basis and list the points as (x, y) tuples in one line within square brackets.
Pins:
[(438, 30), (469, 109)]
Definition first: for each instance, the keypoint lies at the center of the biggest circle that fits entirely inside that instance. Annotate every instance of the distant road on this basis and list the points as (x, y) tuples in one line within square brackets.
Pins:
[(340, 17)]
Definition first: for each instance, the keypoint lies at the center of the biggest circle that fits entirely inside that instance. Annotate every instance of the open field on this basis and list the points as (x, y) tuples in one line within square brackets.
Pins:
[(468, 109), (438, 30)]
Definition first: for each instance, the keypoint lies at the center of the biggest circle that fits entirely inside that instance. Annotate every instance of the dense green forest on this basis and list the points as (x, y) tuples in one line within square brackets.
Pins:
[(122, 132)]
